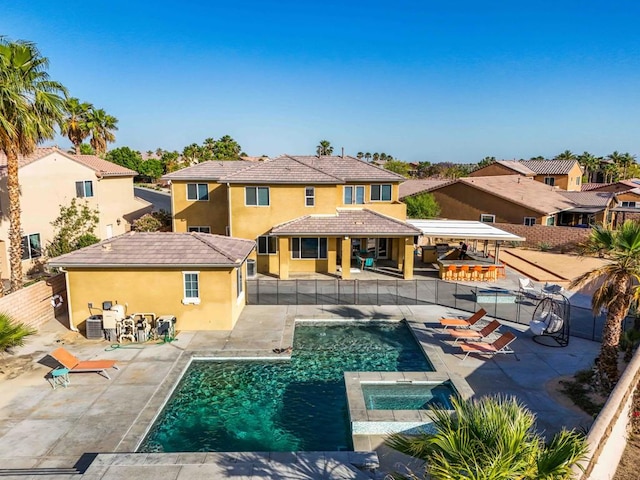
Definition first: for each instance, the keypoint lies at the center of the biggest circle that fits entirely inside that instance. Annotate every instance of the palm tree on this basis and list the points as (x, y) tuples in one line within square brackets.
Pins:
[(75, 125), (324, 148), (367, 156), (590, 163), (360, 155), (491, 438), (626, 160), (101, 126), (376, 157), (31, 105), (617, 288), (610, 171), (566, 155)]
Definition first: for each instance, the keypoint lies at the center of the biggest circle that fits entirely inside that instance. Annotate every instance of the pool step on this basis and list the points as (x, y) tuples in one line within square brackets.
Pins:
[(230, 465)]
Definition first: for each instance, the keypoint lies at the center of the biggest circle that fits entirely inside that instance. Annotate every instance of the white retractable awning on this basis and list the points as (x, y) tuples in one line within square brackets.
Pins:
[(463, 229)]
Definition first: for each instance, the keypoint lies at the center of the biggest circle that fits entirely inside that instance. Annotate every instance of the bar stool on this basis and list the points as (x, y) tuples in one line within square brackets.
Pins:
[(451, 273), (60, 377), (476, 273), (464, 273), (491, 274)]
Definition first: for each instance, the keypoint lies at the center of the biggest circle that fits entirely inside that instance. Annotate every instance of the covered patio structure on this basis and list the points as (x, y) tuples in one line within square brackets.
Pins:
[(332, 243), (436, 235)]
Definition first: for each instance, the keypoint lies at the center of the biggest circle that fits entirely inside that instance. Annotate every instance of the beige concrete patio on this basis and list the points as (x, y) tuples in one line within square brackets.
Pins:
[(51, 429)]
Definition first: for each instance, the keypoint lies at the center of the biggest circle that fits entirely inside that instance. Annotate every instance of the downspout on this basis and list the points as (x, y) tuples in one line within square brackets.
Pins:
[(230, 233), (66, 283)]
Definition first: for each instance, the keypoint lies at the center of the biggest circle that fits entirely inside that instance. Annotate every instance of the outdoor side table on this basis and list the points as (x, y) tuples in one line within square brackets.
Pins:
[(60, 377)]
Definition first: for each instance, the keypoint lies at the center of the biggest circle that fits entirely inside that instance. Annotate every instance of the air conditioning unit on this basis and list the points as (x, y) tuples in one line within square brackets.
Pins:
[(93, 326), (165, 326)]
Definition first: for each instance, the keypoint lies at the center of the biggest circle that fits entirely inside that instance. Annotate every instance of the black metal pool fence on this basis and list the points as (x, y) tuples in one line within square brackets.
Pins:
[(513, 307)]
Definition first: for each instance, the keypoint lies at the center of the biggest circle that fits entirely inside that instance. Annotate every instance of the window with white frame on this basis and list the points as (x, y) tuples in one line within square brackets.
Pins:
[(197, 192), (309, 196), (528, 221), (309, 248), (381, 193), (191, 282), (487, 218), (629, 204), (31, 246), (239, 281), (256, 196), (551, 221), (267, 245), (84, 189), (199, 229), (550, 181), (354, 194)]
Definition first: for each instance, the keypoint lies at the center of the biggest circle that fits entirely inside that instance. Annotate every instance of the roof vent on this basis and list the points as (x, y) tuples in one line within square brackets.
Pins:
[(106, 247)]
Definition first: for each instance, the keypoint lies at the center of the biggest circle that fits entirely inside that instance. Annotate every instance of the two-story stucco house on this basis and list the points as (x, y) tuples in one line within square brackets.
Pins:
[(305, 213), (564, 174), (50, 178)]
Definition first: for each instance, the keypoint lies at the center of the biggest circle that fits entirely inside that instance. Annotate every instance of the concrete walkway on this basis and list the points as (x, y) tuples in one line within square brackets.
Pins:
[(48, 429)]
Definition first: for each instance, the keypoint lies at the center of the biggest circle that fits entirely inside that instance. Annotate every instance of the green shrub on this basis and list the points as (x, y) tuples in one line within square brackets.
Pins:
[(544, 246), (12, 333)]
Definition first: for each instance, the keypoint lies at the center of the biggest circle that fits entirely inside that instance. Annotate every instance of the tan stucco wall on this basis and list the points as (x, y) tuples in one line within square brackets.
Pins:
[(461, 202), (211, 213), (158, 291), (571, 181), (50, 182)]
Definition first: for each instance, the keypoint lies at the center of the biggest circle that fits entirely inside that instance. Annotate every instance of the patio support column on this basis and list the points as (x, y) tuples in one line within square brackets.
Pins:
[(495, 259), (346, 258), (332, 255), (409, 256), (283, 258)]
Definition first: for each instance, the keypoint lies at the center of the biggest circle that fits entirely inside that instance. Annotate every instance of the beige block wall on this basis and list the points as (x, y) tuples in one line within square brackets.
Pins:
[(115, 200), (159, 291)]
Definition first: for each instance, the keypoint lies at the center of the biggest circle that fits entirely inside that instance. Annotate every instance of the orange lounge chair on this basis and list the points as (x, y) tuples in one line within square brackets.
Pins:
[(462, 322), (475, 334), (501, 345), (74, 365)]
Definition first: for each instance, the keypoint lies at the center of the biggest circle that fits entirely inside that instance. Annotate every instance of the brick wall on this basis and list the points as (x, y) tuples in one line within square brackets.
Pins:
[(559, 238), (32, 305)]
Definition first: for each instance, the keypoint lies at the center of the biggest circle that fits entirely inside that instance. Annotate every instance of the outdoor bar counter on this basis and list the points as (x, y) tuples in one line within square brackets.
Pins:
[(475, 268)]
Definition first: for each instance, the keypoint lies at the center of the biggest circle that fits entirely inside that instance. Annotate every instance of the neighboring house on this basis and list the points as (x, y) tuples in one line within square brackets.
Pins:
[(197, 277), (306, 213), (413, 187), (564, 174), (50, 178), (519, 200)]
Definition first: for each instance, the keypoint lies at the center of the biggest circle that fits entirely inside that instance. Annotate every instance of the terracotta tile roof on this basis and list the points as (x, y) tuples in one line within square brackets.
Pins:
[(97, 164), (346, 222), (415, 186), (549, 167), (103, 167), (586, 187), (212, 170), (589, 199), (160, 249), (516, 166), (523, 191), (288, 169)]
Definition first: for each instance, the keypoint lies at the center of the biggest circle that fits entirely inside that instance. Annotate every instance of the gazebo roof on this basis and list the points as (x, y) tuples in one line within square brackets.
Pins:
[(466, 229)]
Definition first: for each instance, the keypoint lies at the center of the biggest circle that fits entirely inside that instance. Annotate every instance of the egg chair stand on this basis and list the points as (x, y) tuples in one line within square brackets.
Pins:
[(550, 323)]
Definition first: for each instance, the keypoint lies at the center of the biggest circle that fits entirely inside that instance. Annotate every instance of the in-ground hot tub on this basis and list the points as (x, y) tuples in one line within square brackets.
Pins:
[(402, 395)]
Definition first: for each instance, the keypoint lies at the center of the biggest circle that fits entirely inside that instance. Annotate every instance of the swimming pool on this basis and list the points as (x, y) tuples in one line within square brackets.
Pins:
[(280, 405)]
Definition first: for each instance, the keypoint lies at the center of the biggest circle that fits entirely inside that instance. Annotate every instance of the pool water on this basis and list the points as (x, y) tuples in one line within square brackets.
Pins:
[(407, 396), (297, 405)]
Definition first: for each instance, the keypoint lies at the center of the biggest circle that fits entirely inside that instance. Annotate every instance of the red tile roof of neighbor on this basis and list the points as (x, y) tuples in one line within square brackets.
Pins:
[(288, 169), (102, 167), (549, 167), (516, 166), (346, 221), (168, 249)]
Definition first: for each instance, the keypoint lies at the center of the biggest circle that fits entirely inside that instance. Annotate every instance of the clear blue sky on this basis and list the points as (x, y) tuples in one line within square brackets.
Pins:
[(421, 80)]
